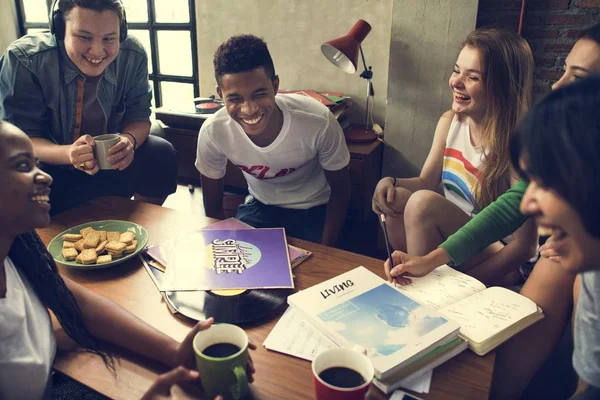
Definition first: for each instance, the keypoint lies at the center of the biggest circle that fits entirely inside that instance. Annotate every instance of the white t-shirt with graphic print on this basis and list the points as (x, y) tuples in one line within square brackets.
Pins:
[(289, 172)]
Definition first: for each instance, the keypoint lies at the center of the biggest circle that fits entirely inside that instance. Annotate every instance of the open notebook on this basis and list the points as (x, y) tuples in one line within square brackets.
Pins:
[(487, 317)]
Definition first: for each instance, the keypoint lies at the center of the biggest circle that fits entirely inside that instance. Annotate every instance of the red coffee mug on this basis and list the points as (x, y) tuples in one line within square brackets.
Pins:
[(344, 358)]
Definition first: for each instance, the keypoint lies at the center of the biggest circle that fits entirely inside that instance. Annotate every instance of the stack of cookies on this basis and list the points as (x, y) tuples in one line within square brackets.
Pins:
[(90, 246)]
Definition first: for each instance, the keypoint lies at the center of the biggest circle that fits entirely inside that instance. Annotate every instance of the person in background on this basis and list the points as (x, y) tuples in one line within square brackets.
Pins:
[(290, 149), (557, 148), (86, 78), (547, 285), (491, 86), (30, 284)]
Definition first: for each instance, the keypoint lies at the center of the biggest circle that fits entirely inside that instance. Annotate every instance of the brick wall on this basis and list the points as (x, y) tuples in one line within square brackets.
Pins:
[(550, 26)]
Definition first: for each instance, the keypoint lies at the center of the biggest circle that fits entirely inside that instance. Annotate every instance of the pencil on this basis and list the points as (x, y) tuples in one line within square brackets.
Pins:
[(385, 236)]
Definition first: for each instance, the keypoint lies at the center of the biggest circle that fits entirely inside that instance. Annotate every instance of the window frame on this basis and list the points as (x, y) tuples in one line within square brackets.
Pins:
[(153, 28)]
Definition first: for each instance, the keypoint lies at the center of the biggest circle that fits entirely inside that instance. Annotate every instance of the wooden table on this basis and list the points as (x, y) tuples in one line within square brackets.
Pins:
[(278, 376)]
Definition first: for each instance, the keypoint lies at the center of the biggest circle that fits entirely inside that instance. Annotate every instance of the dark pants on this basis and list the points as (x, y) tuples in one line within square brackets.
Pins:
[(153, 173), (591, 393), (302, 224)]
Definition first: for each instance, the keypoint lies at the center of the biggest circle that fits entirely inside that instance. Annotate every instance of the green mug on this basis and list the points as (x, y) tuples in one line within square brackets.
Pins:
[(221, 357)]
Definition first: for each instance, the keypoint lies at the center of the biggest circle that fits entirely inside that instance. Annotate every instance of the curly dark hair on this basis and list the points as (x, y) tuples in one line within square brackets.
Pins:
[(242, 53)]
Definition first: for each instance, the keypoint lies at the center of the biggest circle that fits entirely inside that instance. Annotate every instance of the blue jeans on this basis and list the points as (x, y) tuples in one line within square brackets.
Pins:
[(302, 224)]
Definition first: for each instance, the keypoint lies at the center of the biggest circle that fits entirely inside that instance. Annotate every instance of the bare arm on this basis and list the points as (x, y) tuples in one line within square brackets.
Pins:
[(212, 196), (139, 129), (111, 323), (430, 177), (340, 184)]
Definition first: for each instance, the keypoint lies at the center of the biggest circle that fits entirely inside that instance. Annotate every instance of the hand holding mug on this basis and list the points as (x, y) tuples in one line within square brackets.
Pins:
[(121, 154), (81, 155), (223, 361)]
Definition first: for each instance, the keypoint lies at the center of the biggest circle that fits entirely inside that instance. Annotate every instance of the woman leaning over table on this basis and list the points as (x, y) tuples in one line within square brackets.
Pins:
[(30, 283), (548, 285), (491, 85)]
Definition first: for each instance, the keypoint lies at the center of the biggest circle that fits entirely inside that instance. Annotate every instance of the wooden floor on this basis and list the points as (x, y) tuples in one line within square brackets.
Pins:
[(356, 236)]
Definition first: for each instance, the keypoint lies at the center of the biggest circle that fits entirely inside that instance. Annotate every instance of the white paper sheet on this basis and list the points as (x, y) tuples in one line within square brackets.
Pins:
[(297, 337)]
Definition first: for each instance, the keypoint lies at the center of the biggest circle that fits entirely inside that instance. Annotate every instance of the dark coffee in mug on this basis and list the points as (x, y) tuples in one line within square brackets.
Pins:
[(221, 350), (342, 377)]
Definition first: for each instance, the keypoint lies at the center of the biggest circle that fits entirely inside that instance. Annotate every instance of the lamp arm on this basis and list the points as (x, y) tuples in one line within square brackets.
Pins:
[(362, 55), (367, 73)]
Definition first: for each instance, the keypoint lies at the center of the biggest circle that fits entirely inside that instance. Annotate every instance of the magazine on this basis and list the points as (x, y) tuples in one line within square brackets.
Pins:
[(358, 309), (159, 251), (227, 259)]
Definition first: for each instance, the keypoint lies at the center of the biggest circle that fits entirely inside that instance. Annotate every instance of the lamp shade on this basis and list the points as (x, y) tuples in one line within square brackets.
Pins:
[(343, 51)]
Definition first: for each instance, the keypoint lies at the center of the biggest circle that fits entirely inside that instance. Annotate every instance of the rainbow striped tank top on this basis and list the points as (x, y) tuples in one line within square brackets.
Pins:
[(461, 166)]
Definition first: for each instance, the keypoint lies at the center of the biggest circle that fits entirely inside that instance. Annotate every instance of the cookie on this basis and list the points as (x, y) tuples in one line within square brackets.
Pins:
[(103, 235), (101, 247), (131, 248), (69, 254), (113, 236), (71, 237), (115, 254), (84, 232), (104, 259), (115, 247), (91, 240), (79, 245), (68, 245), (127, 237), (88, 256)]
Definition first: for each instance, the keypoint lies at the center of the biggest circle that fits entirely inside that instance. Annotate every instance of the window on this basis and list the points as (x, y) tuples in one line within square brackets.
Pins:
[(166, 28)]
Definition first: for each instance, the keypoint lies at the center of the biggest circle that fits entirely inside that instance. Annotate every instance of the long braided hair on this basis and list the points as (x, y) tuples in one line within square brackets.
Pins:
[(31, 257)]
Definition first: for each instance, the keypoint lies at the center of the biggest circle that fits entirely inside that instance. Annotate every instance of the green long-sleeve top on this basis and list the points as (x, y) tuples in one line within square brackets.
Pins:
[(496, 221)]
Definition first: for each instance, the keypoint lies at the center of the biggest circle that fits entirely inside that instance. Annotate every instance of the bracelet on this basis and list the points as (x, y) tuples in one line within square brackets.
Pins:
[(135, 140), (393, 183)]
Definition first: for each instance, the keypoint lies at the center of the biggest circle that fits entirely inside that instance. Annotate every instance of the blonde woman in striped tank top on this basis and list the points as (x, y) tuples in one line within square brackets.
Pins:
[(491, 87)]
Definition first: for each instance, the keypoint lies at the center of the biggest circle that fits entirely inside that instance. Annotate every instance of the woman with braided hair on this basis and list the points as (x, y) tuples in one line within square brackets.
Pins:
[(30, 284)]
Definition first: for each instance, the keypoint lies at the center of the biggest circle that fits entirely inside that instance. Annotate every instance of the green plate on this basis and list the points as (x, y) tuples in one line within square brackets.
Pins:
[(141, 235)]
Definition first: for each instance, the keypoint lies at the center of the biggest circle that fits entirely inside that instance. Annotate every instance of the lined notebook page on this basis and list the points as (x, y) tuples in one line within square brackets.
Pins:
[(486, 313), (442, 287)]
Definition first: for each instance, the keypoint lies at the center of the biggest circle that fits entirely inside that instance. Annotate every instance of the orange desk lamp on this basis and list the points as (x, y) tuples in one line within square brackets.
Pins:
[(343, 53)]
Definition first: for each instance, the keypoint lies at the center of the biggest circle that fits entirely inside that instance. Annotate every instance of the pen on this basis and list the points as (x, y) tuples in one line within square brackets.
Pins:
[(387, 243)]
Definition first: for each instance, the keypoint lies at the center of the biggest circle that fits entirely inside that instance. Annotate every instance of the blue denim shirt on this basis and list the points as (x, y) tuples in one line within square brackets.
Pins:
[(38, 87)]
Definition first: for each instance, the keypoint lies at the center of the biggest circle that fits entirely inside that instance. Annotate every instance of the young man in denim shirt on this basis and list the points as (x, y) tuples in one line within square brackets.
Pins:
[(84, 79)]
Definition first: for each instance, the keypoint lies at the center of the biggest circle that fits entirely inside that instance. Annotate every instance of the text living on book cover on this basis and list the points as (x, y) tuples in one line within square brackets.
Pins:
[(360, 308), (228, 259)]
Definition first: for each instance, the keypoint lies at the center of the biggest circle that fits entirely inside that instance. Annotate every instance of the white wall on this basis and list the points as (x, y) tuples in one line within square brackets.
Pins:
[(425, 41), (8, 24), (294, 31)]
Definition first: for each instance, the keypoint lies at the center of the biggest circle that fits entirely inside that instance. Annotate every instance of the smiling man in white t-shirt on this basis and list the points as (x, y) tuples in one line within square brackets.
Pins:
[(290, 148)]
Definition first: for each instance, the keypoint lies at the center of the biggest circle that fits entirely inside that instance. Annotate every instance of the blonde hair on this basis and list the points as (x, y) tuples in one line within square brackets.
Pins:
[(507, 63)]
